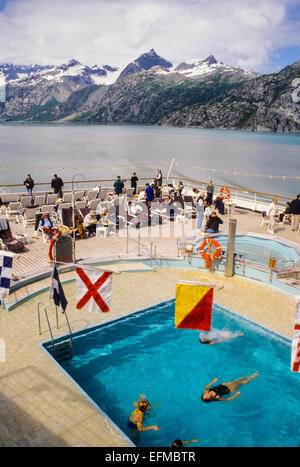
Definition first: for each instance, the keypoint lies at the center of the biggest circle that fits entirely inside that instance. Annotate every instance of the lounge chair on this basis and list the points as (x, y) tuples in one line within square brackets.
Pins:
[(51, 198), (94, 204), (68, 198), (28, 216), (14, 208), (80, 204), (78, 195), (39, 200), (26, 201), (7, 241), (91, 194)]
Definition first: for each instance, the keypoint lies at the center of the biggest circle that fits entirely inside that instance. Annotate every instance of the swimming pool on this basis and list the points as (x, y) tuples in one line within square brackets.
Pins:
[(261, 249), (144, 353)]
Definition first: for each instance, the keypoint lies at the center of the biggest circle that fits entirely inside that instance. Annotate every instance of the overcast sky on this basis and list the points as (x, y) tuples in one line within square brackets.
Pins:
[(263, 35)]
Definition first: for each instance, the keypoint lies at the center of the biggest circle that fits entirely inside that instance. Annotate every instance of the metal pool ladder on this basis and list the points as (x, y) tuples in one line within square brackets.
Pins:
[(61, 350)]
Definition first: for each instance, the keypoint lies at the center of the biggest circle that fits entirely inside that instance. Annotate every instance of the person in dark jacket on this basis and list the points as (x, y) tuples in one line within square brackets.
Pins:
[(295, 212), (149, 193), (134, 181), (29, 183), (209, 193), (212, 225), (219, 205), (57, 185), (118, 186)]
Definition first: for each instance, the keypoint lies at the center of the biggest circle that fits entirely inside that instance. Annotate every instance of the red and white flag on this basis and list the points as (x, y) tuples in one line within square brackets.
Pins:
[(93, 290), (295, 355)]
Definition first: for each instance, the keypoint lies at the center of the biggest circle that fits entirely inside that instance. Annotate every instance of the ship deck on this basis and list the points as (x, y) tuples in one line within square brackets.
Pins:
[(39, 404)]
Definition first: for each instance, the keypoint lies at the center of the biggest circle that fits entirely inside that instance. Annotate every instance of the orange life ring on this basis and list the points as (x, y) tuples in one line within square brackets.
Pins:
[(224, 192), (52, 241), (210, 256)]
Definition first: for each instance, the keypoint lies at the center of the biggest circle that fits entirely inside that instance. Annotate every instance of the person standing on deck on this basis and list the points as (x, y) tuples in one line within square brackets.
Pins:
[(159, 177), (57, 185), (118, 186), (209, 193), (29, 183), (134, 181), (295, 212), (272, 213), (149, 193), (200, 210)]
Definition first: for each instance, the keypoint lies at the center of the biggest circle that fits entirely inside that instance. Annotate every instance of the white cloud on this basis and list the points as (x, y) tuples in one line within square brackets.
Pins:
[(243, 32)]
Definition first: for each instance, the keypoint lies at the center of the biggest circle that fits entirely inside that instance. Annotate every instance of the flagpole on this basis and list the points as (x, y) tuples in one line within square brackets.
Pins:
[(57, 326)]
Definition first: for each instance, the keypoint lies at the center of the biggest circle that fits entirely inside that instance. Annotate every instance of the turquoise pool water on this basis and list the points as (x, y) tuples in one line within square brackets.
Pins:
[(260, 249), (144, 353)]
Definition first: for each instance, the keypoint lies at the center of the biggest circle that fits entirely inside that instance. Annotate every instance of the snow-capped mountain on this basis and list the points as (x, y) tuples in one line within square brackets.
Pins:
[(35, 74), (83, 75), (144, 62), (198, 67)]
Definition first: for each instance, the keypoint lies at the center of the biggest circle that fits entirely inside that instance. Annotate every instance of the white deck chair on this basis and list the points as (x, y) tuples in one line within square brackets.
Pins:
[(103, 193), (39, 200), (26, 201), (91, 194), (51, 198), (80, 204), (67, 198), (28, 216), (78, 195), (264, 219), (14, 208), (94, 204)]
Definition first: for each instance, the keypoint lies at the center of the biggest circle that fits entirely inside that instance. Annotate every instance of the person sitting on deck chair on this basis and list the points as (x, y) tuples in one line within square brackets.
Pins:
[(90, 221), (47, 226)]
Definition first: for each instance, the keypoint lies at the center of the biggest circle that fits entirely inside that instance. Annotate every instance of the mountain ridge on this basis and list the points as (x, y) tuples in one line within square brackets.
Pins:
[(204, 93)]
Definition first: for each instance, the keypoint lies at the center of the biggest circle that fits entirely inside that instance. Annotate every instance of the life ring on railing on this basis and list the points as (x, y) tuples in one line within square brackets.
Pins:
[(52, 241), (224, 192), (210, 255)]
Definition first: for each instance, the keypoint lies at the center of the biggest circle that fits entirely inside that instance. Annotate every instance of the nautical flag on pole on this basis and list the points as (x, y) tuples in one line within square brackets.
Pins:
[(295, 354), (93, 290), (5, 275), (56, 291), (193, 306)]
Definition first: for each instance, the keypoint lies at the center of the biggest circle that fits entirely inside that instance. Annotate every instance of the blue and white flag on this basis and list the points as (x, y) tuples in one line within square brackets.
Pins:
[(56, 291), (5, 275)]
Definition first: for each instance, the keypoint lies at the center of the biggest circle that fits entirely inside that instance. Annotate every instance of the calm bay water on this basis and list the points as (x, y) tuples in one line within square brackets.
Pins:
[(96, 152)]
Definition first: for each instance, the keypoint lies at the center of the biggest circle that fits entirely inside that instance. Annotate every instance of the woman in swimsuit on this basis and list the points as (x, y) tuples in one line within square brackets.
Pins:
[(216, 392), (137, 417)]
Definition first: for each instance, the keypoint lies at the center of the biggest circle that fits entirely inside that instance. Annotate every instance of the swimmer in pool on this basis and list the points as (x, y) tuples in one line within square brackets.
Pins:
[(216, 336), (216, 392), (137, 417)]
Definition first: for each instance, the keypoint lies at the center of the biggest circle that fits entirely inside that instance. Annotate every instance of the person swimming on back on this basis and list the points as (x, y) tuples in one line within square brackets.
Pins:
[(215, 393), (218, 337), (137, 417)]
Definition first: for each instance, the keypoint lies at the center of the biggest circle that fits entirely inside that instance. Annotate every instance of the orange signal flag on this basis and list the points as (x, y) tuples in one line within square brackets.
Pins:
[(193, 306)]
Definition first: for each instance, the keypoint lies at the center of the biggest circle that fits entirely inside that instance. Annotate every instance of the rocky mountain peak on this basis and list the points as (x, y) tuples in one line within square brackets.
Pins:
[(145, 62), (210, 60)]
